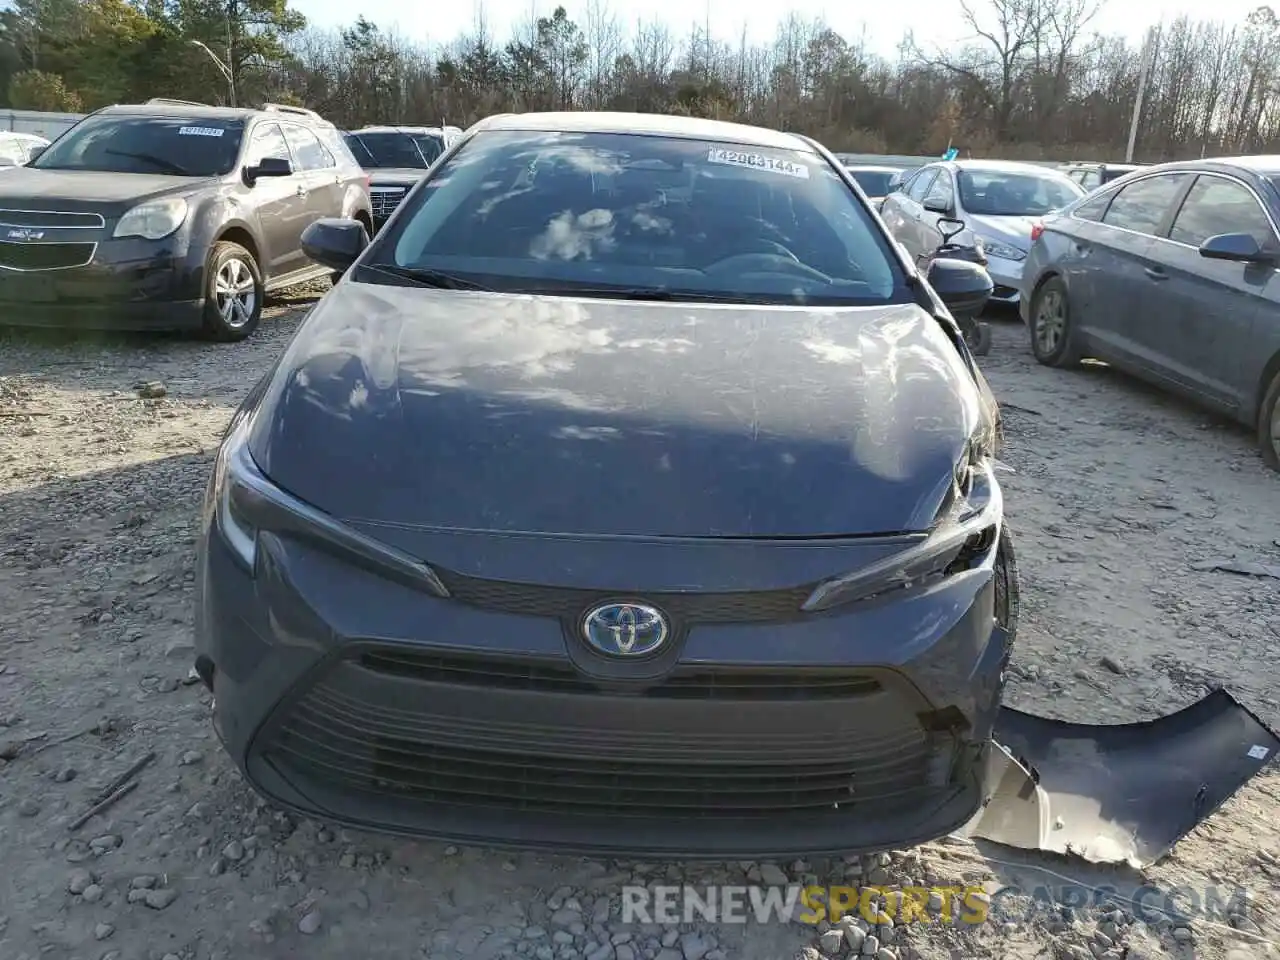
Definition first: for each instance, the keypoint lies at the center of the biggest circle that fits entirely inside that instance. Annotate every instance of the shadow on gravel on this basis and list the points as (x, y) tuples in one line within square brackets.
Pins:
[(1094, 376), (123, 361), (118, 516)]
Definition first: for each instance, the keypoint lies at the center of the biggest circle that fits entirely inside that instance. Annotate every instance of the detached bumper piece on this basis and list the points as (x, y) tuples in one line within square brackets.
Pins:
[(1124, 793), (707, 763)]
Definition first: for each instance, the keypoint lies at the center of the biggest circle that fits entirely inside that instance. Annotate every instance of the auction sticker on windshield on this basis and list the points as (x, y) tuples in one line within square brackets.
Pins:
[(200, 131), (757, 161)]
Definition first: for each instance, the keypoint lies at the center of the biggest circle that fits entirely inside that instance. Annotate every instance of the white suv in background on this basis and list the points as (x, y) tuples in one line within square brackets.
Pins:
[(17, 148)]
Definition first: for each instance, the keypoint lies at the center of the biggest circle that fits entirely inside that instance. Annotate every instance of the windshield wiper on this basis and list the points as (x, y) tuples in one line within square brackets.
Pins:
[(661, 294), (427, 277), (174, 168)]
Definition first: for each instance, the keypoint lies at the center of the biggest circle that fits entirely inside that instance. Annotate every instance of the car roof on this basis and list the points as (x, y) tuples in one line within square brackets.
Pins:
[(1257, 166), (1008, 166), (647, 124), (378, 128), (179, 108), (1263, 164)]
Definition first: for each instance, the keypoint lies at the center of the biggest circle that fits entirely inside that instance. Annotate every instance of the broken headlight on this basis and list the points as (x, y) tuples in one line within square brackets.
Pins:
[(969, 518), (245, 503)]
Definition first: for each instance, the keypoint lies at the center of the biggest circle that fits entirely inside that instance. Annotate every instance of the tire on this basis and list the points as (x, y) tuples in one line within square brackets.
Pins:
[(980, 344), (1008, 602), (232, 276), (1049, 326), (1269, 424)]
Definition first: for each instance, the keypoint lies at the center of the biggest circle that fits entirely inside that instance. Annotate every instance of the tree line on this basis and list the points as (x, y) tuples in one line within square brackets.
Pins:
[(1036, 81)]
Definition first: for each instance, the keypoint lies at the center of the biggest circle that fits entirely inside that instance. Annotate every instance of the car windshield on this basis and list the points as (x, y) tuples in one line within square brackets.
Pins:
[(1005, 193), (875, 183), (385, 150), (178, 146), (607, 213)]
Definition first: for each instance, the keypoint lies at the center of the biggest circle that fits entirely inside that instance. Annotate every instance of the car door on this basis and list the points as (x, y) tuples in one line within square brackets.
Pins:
[(281, 202), (1073, 258), (318, 172), (1198, 330), (1118, 250), (903, 219), (938, 202), (350, 177)]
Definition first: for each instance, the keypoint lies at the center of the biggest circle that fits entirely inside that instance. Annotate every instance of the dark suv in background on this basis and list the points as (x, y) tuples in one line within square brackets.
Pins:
[(171, 215), (396, 159), (1091, 176)]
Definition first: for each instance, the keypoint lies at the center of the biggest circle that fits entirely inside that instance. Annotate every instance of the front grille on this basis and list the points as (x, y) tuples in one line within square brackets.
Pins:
[(687, 608), (384, 200), (331, 740), (686, 683), (44, 256), (51, 219)]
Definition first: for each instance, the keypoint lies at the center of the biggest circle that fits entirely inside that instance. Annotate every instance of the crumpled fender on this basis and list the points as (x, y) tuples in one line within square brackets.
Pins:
[(1122, 793)]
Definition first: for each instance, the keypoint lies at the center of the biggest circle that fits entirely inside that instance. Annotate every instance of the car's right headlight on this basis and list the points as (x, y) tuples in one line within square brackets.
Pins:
[(244, 503), (153, 220), (969, 520), (1002, 250)]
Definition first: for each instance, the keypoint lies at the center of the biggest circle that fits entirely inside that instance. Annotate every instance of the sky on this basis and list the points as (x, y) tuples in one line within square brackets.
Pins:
[(934, 22)]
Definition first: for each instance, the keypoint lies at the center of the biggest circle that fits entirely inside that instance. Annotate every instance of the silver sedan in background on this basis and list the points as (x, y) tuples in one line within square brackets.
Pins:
[(1000, 201)]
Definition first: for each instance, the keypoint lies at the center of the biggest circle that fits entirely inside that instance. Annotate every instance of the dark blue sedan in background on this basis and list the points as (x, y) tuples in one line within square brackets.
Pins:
[(1170, 274)]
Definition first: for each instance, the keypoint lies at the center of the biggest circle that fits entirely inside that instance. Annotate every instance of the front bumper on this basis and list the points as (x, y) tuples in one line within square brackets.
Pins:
[(346, 697), (1006, 275), (129, 284)]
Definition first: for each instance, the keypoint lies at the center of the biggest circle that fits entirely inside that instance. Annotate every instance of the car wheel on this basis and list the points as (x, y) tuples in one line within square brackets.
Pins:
[(1008, 595), (233, 293), (1269, 424), (1050, 326)]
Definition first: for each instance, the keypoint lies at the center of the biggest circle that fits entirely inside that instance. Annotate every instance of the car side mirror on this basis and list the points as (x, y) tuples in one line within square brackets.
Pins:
[(937, 206), (268, 167), (964, 287), (334, 242), (1240, 247), (34, 152)]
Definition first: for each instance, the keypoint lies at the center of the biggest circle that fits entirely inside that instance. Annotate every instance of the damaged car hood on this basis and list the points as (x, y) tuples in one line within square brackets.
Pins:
[(484, 411)]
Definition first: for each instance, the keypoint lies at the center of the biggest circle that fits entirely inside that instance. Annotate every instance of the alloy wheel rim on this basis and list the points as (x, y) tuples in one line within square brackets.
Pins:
[(235, 293), (1051, 320)]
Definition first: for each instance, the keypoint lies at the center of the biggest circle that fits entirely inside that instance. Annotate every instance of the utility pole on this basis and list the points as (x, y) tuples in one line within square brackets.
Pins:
[(706, 39), (1148, 50), (231, 58)]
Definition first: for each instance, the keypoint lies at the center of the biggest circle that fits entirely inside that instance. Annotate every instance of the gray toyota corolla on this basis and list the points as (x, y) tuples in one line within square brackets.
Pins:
[(631, 493)]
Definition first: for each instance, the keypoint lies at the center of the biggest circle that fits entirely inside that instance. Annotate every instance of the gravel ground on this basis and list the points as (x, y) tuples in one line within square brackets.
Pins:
[(1118, 494)]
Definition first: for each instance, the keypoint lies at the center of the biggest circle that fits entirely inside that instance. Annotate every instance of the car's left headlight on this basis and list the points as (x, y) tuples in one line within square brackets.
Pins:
[(153, 220), (1002, 250), (969, 520), (241, 503)]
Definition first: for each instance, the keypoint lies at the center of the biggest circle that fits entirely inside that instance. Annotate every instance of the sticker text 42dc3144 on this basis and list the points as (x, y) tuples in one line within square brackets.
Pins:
[(756, 161)]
